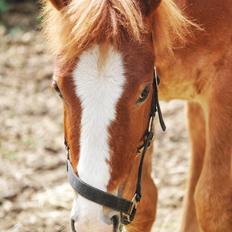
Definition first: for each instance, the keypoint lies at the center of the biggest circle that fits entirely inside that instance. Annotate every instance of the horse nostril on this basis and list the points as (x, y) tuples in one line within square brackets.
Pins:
[(73, 225), (108, 215), (116, 223)]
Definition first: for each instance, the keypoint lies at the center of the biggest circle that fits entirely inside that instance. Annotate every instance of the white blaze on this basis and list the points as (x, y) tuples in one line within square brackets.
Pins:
[(99, 92)]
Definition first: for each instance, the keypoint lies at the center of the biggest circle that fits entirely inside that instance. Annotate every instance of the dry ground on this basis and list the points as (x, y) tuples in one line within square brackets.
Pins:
[(34, 193)]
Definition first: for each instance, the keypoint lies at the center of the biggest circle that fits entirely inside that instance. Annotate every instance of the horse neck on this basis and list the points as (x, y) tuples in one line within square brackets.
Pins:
[(182, 69), (208, 13)]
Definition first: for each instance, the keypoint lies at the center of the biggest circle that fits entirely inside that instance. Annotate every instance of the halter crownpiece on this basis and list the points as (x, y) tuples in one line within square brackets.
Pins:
[(126, 208)]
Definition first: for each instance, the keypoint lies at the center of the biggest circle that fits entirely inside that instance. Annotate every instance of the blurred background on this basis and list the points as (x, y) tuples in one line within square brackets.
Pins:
[(34, 193)]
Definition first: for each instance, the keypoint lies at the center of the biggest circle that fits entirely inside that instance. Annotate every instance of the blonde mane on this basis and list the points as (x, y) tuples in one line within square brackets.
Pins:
[(83, 22), (171, 27)]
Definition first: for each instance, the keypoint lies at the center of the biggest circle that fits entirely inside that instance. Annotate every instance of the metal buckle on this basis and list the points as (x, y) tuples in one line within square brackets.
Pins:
[(129, 217), (148, 137), (134, 204)]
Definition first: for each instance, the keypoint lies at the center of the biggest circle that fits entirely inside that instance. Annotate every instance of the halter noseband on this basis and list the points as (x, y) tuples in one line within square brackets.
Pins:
[(126, 208)]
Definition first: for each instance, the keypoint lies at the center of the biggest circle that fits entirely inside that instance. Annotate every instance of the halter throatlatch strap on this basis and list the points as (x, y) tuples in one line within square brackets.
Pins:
[(155, 101), (155, 107), (126, 208)]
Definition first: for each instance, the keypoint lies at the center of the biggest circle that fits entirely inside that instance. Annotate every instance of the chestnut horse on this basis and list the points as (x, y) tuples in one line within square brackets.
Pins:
[(106, 51)]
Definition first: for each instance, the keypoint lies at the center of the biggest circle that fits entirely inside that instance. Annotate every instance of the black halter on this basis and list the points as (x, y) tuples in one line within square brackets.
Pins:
[(126, 208)]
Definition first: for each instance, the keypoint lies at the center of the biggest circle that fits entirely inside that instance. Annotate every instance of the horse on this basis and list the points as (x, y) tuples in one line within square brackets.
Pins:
[(108, 57)]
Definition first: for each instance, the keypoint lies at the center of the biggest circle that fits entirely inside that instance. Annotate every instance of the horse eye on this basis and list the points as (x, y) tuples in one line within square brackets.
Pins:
[(144, 94), (56, 88)]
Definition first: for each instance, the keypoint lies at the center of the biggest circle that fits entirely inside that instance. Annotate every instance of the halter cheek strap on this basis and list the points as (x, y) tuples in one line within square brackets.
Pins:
[(126, 208)]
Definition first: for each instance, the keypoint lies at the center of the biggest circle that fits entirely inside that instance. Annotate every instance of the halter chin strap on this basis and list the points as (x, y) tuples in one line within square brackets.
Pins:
[(126, 208)]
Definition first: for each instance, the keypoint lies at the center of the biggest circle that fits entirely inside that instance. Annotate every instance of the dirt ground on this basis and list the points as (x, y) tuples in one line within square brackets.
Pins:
[(34, 193)]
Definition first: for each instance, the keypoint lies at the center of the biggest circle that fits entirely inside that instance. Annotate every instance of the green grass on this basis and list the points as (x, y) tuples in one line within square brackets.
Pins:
[(10, 155), (3, 6)]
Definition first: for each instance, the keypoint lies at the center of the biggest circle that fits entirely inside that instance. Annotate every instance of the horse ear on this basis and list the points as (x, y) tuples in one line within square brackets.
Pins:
[(150, 6), (59, 4)]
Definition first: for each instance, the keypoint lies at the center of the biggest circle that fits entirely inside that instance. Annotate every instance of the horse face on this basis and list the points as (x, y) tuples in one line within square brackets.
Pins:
[(107, 91), (107, 99)]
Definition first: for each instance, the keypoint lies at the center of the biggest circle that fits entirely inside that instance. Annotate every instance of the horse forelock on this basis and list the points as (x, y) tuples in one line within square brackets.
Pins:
[(85, 22)]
